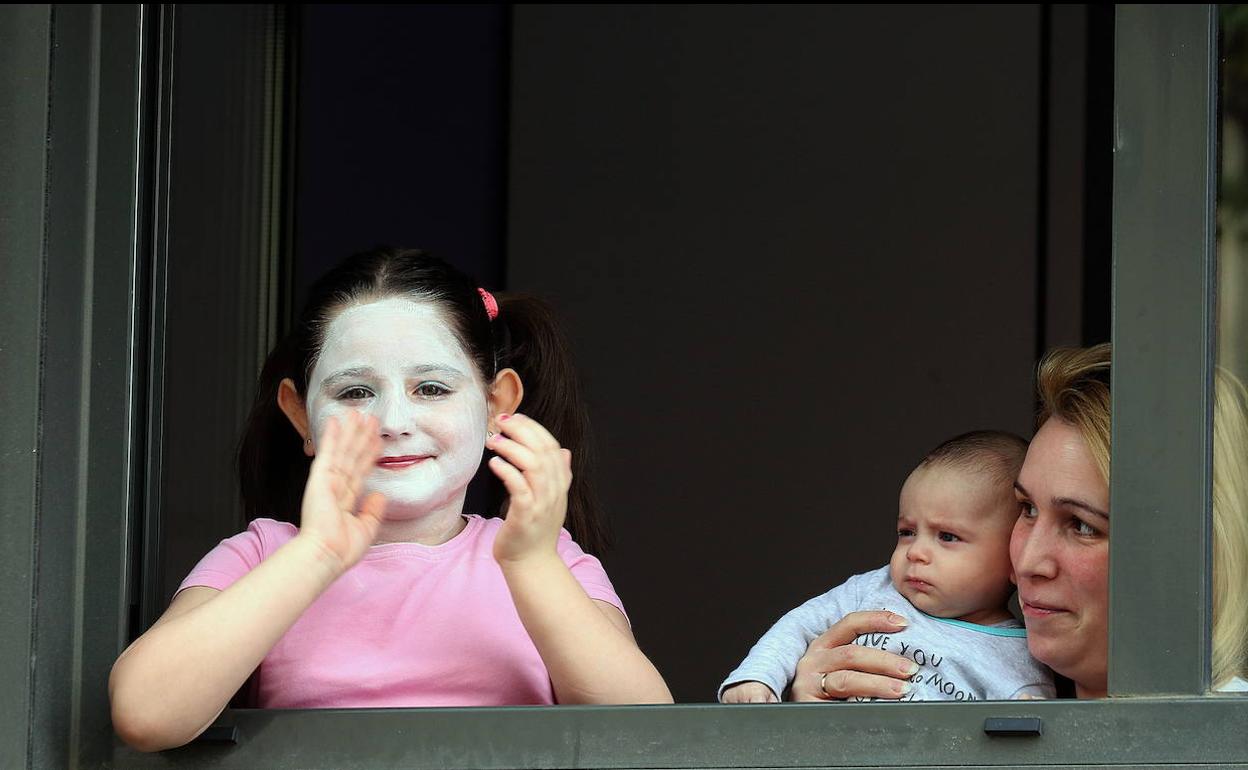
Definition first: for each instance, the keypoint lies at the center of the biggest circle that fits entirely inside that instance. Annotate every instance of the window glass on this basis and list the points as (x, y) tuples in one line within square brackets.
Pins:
[(780, 293)]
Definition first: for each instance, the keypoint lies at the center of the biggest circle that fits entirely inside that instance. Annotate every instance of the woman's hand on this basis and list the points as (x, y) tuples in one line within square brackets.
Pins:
[(834, 668), (749, 692), (345, 455), (537, 473)]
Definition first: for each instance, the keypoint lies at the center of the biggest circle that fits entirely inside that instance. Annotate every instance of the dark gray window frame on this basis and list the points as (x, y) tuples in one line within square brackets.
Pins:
[(72, 449)]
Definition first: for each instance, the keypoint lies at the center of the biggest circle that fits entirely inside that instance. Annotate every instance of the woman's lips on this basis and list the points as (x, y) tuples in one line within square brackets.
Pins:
[(1038, 610), (400, 462)]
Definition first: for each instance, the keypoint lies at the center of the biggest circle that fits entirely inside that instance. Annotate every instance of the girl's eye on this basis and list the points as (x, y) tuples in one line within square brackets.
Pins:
[(903, 532), (432, 390), (354, 394), (948, 537)]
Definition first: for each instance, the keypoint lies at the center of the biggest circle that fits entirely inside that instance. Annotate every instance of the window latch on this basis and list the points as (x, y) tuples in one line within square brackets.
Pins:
[(1014, 727)]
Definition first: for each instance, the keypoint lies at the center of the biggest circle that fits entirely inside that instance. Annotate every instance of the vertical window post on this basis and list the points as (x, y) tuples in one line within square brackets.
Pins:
[(1165, 96)]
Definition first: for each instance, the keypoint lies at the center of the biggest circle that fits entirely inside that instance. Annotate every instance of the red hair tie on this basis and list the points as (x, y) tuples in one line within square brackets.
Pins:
[(491, 304)]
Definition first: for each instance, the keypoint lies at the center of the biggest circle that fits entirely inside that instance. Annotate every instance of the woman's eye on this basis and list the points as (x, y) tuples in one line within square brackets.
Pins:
[(1083, 529), (432, 390), (1027, 510), (354, 394), (948, 537)]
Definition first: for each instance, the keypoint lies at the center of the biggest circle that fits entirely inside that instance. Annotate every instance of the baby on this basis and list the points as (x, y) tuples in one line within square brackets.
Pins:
[(949, 576)]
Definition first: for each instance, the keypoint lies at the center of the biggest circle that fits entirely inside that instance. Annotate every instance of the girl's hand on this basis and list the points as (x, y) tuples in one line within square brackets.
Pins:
[(345, 455), (749, 692), (834, 668), (537, 473)]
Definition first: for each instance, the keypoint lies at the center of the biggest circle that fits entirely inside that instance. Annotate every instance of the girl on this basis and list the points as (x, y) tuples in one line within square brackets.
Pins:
[(371, 419)]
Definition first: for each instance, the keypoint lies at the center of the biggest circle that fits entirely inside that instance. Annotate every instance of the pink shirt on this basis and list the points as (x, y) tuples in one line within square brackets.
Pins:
[(410, 625)]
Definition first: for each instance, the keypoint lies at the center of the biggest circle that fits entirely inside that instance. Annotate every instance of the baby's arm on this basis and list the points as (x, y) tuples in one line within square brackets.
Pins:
[(773, 659), (586, 645), (169, 685)]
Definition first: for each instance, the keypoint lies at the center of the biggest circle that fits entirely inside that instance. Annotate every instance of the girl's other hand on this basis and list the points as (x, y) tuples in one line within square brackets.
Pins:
[(749, 692), (834, 668), (345, 455), (537, 473)]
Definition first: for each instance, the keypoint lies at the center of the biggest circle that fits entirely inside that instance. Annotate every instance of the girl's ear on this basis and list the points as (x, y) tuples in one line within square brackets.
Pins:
[(296, 411), (505, 395)]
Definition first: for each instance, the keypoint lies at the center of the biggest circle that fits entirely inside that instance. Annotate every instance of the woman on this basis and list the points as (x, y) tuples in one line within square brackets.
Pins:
[(1060, 545)]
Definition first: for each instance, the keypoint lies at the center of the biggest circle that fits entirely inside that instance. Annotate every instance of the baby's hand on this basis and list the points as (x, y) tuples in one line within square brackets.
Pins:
[(749, 692)]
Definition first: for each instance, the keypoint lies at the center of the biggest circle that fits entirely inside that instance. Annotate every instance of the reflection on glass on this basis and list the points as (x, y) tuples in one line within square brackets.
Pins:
[(1230, 429)]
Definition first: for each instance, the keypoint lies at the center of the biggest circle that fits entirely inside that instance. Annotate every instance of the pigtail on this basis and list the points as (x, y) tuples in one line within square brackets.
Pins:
[(272, 468), (529, 339)]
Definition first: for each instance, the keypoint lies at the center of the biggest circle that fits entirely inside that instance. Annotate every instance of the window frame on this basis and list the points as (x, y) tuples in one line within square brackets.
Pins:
[(71, 607)]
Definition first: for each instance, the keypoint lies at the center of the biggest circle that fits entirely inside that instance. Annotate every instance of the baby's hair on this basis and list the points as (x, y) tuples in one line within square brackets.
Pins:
[(996, 454)]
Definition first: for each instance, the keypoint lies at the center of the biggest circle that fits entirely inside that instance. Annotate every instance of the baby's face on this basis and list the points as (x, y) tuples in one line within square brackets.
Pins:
[(953, 545)]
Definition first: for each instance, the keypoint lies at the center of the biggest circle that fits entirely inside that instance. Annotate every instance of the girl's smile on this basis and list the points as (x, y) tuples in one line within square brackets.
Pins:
[(401, 462)]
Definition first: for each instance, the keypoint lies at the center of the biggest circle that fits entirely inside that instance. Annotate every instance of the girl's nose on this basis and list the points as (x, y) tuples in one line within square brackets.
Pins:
[(917, 552), (395, 417)]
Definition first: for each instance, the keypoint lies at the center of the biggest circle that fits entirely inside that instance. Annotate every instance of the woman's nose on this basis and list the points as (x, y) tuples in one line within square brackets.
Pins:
[(1036, 555)]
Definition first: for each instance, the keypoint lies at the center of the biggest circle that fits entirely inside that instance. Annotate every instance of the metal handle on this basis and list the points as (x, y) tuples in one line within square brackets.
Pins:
[(1014, 727)]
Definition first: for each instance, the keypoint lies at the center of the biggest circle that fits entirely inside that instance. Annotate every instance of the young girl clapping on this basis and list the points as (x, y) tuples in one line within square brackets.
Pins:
[(379, 591)]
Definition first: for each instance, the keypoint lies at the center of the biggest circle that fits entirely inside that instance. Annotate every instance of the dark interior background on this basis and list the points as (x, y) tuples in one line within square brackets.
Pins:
[(795, 248)]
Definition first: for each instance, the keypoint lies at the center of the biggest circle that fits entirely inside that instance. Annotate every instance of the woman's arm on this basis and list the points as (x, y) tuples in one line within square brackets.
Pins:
[(169, 685), (586, 645)]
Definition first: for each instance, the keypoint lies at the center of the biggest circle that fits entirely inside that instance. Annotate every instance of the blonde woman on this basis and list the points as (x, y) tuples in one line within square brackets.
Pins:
[(1060, 544)]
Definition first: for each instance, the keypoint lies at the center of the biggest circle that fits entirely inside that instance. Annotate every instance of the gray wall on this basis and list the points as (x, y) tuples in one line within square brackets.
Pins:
[(214, 293), (796, 247)]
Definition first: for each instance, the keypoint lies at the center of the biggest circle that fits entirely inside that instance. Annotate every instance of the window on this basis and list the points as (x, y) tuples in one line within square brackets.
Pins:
[(91, 391)]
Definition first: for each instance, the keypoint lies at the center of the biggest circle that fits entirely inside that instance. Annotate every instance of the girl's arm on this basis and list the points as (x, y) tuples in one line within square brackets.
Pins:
[(173, 681), (586, 645)]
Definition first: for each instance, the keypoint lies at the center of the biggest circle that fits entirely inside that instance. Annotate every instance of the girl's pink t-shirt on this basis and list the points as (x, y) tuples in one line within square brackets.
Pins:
[(410, 625)]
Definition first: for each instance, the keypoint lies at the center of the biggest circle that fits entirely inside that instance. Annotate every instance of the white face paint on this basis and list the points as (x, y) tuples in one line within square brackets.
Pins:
[(397, 360)]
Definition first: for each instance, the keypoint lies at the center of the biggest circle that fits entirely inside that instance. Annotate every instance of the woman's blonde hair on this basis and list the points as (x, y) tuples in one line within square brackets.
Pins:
[(1074, 386), (1230, 528)]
